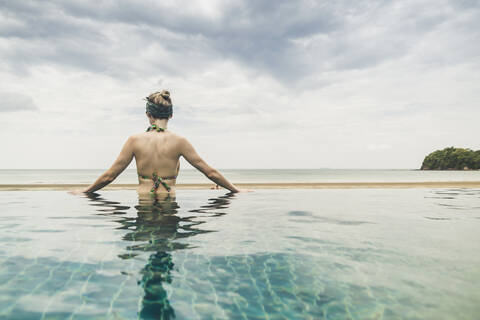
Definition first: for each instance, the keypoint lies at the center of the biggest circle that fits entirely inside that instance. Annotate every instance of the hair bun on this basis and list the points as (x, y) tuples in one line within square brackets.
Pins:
[(165, 94)]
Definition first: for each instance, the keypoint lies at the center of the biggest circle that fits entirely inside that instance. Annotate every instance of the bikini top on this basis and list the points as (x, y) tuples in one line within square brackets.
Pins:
[(157, 181)]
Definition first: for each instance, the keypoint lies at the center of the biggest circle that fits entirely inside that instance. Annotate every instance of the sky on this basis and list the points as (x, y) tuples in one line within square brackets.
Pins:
[(254, 84)]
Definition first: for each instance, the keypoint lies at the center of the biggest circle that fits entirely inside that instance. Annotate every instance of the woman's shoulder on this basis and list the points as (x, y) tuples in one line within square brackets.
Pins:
[(137, 136)]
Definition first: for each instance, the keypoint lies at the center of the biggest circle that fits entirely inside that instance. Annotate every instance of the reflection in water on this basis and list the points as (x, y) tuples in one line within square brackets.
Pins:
[(156, 228)]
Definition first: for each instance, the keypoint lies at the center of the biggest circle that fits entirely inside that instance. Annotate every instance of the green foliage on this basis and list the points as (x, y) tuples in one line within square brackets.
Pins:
[(452, 159)]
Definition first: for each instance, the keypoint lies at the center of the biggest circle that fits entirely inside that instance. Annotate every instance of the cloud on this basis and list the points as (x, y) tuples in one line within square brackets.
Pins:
[(290, 41), (16, 102), (378, 146), (331, 79)]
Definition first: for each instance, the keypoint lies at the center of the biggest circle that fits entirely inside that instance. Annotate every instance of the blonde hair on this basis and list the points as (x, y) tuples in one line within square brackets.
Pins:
[(161, 98)]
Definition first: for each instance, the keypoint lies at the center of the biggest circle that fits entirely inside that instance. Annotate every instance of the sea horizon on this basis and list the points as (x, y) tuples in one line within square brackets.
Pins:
[(188, 175)]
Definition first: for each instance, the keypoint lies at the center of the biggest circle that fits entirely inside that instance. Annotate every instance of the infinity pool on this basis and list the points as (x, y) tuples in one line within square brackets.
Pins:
[(270, 254)]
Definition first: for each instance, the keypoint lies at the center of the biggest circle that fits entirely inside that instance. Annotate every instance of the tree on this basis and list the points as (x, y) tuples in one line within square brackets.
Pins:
[(452, 159)]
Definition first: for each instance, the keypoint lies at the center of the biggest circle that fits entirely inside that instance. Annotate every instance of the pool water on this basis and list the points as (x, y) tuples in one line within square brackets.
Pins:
[(270, 254)]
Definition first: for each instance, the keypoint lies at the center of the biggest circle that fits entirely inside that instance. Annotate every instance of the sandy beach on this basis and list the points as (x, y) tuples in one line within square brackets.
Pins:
[(253, 186)]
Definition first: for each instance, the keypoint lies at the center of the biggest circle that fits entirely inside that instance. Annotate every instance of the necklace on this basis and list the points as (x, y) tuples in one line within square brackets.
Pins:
[(156, 128)]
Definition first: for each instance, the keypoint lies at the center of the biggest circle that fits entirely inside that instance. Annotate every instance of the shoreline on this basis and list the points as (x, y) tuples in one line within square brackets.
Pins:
[(287, 185)]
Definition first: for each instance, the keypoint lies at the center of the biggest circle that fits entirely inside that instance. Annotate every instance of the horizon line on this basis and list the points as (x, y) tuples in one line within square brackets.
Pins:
[(193, 169)]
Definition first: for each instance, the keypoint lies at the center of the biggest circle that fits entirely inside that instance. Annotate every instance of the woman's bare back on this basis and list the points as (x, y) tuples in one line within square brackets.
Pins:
[(157, 153)]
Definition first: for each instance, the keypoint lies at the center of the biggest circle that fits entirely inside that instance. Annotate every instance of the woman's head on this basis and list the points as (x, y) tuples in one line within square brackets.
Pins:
[(159, 105)]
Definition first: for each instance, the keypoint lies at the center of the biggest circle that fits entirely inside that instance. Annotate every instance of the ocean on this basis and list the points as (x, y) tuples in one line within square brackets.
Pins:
[(85, 176)]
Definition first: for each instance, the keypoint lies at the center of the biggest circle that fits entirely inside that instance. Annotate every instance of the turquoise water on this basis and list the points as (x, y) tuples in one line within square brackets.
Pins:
[(73, 176), (270, 254)]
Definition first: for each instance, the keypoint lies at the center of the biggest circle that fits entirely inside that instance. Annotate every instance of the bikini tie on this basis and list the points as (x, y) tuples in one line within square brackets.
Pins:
[(156, 128), (157, 181)]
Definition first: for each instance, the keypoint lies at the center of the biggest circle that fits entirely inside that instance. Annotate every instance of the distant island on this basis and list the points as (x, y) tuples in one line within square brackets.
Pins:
[(452, 159)]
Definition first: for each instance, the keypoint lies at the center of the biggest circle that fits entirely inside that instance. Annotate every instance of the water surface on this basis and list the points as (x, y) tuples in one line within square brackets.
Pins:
[(296, 254)]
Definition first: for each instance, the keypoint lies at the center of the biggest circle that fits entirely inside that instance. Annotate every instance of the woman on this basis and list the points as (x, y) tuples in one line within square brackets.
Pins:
[(157, 153)]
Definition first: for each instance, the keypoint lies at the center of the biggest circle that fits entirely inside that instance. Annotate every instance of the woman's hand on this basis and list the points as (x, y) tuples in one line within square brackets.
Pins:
[(216, 187)]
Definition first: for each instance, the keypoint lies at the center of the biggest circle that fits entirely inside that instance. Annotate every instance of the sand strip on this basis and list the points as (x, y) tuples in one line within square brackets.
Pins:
[(314, 185)]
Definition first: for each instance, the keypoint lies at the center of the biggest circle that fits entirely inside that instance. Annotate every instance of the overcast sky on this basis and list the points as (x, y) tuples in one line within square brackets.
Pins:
[(255, 84)]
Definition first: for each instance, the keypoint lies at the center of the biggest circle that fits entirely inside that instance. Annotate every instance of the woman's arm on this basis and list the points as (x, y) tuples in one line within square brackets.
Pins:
[(123, 160), (189, 153)]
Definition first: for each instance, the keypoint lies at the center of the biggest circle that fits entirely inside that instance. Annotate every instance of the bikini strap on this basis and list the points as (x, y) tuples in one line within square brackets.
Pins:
[(164, 178), (156, 128)]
